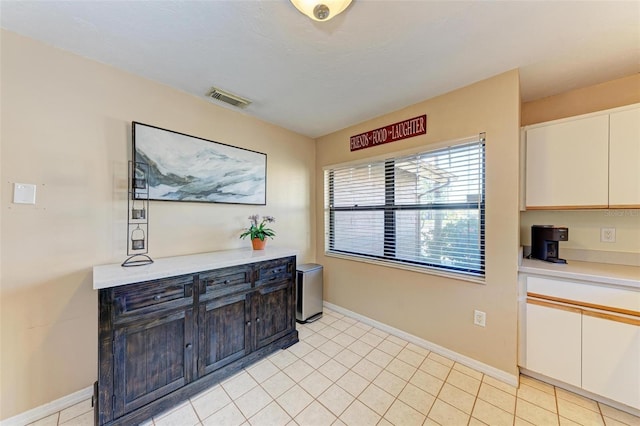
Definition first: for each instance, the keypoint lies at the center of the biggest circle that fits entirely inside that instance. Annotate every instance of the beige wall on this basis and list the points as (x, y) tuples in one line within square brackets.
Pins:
[(584, 226), (611, 94), (66, 127), (431, 307)]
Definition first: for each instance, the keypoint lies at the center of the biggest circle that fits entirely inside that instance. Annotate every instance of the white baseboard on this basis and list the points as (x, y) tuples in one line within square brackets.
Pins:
[(49, 408), (503, 376)]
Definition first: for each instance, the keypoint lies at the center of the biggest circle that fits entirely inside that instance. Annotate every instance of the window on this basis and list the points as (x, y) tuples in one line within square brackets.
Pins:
[(425, 209)]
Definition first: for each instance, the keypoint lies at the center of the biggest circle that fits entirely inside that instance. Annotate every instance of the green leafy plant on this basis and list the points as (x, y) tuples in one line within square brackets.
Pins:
[(259, 230)]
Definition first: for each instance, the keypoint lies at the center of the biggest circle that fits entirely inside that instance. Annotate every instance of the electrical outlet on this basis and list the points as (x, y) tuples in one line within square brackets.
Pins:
[(607, 235), (479, 318)]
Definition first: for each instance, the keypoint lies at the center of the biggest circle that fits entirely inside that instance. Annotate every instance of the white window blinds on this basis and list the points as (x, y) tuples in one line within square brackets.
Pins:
[(426, 209)]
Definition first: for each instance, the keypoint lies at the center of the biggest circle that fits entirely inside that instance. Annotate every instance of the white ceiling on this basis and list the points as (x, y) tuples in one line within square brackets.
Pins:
[(377, 56)]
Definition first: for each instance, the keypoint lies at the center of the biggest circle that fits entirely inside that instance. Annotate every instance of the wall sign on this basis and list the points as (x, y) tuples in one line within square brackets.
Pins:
[(391, 133)]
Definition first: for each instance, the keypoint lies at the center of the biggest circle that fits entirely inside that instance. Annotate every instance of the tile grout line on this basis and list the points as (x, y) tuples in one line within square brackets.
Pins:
[(440, 390), (475, 400), (195, 411), (293, 418), (315, 399), (492, 404), (396, 398), (336, 381), (369, 382), (398, 369), (555, 394), (601, 415), (515, 410)]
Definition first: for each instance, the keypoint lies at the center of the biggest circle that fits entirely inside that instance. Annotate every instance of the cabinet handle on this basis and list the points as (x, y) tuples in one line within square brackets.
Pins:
[(189, 345), (157, 297)]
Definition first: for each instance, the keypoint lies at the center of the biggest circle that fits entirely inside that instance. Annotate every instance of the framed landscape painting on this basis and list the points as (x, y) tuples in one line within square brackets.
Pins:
[(188, 168)]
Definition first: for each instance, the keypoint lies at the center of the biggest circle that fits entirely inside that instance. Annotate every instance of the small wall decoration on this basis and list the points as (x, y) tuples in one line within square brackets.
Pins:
[(188, 168), (391, 133), (137, 215)]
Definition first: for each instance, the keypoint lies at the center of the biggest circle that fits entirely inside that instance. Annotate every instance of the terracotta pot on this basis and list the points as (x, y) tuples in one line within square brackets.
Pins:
[(258, 244)]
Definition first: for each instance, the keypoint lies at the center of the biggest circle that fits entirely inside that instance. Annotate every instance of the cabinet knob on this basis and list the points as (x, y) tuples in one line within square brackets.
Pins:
[(189, 345), (248, 323), (226, 281), (157, 297), (257, 319)]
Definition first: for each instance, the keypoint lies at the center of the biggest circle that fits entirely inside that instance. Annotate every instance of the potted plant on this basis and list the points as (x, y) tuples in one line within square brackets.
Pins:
[(258, 232)]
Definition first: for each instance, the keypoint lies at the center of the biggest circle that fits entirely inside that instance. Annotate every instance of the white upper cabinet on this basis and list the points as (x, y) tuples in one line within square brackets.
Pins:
[(585, 162), (567, 164), (624, 159)]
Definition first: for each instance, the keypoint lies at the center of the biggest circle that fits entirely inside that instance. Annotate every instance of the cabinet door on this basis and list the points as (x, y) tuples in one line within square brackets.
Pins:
[(553, 341), (224, 331), (611, 357), (567, 164), (274, 312), (624, 159), (153, 356)]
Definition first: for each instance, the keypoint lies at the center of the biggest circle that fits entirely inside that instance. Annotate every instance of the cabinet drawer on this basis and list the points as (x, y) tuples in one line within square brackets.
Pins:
[(222, 282), (596, 296), (277, 270), (152, 295)]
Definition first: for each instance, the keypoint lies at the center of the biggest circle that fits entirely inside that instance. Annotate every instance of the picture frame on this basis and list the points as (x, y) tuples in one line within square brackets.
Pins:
[(193, 169)]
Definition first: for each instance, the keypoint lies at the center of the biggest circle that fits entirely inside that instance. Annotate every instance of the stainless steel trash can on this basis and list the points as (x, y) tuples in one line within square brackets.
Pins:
[(308, 292)]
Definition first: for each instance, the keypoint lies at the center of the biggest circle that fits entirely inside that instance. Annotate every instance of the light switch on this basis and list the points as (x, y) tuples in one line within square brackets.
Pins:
[(24, 193)]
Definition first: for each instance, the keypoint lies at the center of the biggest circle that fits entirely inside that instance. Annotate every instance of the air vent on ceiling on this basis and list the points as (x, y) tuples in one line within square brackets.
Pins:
[(226, 97)]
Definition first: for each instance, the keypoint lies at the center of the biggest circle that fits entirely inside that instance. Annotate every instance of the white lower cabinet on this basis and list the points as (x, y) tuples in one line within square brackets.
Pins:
[(553, 342), (611, 358), (584, 334)]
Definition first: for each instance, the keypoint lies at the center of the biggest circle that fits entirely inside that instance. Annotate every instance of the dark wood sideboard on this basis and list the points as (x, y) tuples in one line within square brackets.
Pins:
[(165, 340)]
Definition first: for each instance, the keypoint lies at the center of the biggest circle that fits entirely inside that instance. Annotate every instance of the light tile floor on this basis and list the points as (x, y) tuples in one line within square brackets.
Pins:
[(344, 372)]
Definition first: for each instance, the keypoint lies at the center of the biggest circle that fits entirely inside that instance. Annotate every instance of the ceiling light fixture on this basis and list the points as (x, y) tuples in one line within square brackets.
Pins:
[(321, 10)]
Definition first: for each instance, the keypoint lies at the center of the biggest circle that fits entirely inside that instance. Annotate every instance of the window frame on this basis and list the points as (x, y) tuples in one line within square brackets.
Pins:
[(388, 258)]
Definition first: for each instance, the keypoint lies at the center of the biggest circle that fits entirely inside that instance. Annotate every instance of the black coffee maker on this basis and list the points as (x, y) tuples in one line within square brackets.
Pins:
[(544, 242)]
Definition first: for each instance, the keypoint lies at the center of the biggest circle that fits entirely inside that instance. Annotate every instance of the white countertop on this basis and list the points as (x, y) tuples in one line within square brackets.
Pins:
[(606, 273), (106, 276)]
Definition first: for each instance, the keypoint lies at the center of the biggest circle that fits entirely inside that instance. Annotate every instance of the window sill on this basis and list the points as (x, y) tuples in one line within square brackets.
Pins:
[(398, 265)]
